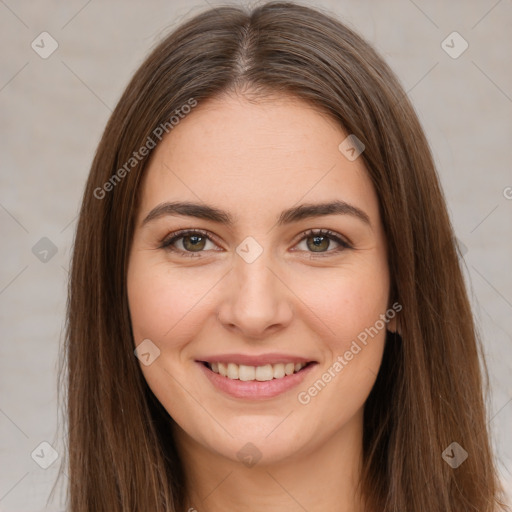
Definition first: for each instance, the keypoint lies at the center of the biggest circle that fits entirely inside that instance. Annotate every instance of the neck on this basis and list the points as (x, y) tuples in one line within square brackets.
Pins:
[(321, 477)]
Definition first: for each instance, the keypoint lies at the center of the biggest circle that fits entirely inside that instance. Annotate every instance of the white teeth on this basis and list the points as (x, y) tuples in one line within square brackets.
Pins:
[(259, 373), (223, 369), (232, 371), (278, 371), (264, 372), (246, 372)]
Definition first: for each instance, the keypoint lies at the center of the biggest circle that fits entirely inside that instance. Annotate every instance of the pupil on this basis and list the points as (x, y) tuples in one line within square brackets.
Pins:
[(317, 241), (193, 242)]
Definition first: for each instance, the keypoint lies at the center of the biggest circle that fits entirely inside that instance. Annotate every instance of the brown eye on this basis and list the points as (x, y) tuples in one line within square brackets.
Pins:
[(187, 243), (193, 242), (320, 242)]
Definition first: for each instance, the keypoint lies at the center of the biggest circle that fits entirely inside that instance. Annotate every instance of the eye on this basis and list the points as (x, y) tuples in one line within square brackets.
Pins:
[(191, 241), (317, 241)]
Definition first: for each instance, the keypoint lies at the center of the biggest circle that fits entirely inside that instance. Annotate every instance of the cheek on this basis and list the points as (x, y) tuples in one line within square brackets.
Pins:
[(353, 354), (162, 300), (349, 305), (346, 300)]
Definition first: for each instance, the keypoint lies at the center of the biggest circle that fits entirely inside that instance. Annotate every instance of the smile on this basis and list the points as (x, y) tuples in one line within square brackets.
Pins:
[(263, 379), (255, 373)]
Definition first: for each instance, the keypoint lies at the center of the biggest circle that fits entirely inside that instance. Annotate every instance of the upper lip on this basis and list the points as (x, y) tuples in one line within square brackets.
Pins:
[(259, 360)]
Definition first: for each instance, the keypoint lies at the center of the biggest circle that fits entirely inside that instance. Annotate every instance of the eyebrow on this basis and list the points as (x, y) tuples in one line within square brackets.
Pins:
[(294, 214)]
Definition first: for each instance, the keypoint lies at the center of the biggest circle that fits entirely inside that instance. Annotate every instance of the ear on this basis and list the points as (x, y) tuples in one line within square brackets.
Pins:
[(392, 324)]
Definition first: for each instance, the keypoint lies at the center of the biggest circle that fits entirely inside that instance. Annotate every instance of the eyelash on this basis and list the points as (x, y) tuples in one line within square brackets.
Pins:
[(171, 239)]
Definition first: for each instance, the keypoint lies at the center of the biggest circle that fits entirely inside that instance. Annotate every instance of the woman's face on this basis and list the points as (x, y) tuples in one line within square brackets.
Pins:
[(259, 294)]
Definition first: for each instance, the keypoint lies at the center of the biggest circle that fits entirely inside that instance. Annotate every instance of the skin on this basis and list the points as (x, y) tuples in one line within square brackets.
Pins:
[(255, 159)]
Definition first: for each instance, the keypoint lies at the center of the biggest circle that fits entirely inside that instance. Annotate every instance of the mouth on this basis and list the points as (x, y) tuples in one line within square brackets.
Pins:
[(261, 373), (255, 382)]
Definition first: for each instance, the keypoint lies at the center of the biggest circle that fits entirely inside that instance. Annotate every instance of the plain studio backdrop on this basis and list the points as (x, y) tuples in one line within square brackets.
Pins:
[(62, 71)]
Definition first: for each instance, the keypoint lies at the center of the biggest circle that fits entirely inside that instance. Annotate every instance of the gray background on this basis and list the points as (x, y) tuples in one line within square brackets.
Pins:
[(53, 113)]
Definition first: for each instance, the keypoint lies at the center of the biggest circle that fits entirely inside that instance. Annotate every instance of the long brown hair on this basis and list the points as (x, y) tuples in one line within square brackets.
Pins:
[(429, 391)]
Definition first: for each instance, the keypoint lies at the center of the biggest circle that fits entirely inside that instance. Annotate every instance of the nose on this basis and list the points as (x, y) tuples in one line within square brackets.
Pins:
[(256, 302)]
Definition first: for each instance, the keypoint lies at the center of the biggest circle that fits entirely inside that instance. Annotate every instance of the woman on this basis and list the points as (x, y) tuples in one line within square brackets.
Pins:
[(266, 308)]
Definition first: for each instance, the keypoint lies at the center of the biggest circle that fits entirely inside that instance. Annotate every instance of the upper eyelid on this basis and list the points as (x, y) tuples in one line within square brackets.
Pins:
[(177, 235)]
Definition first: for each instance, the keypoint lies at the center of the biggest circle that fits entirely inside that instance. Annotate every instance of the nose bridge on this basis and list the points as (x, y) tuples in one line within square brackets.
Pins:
[(254, 279), (256, 299)]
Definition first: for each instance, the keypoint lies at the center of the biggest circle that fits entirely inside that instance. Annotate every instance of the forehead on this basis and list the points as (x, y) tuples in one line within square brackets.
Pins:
[(256, 156)]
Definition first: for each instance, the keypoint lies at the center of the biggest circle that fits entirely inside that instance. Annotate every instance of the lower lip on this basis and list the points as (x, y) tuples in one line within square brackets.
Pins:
[(255, 389)]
